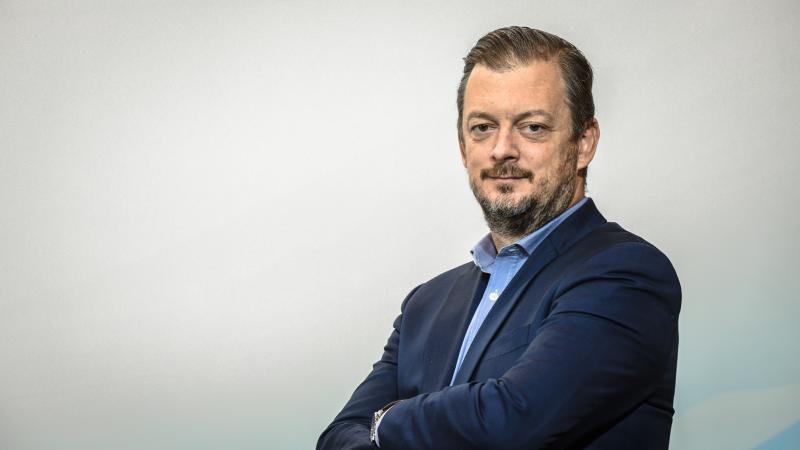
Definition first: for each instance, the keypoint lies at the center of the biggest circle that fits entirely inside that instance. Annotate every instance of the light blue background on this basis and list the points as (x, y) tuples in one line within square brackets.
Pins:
[(212, 210)]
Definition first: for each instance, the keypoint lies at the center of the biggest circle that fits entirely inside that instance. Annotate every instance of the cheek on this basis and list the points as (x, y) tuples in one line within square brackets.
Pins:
[(545, 160), (473, 166)]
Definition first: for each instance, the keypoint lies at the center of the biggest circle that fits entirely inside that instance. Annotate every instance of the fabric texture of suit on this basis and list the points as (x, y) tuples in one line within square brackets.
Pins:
[(579, 351)]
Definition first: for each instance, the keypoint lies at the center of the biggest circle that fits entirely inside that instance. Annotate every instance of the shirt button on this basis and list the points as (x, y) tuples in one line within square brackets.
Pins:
[(493, 296)]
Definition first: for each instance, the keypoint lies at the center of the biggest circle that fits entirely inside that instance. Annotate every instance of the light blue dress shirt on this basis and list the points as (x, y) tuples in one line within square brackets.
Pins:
[(501, 267)]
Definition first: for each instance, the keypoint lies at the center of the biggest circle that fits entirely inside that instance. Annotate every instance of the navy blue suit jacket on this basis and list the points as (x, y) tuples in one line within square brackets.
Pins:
[(579, 351)]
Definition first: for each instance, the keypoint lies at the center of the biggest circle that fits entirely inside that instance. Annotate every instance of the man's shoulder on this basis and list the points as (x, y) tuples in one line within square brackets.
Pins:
[(614, 250), (609, 236)]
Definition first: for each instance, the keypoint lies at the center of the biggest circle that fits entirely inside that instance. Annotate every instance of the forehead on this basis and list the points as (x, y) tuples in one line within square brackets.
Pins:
[(537, 85)]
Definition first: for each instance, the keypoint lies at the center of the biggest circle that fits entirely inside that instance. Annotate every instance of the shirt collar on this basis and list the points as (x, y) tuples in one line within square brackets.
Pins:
[(484, 253)]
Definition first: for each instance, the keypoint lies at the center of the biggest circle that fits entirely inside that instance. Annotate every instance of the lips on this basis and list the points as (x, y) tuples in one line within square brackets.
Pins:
[(506, 173)]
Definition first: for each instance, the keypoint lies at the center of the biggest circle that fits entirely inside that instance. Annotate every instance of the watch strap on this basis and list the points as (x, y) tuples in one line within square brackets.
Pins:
[(376, 416)]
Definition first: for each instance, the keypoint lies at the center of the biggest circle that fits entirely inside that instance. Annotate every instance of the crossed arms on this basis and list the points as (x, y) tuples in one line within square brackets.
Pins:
[(600, 352)]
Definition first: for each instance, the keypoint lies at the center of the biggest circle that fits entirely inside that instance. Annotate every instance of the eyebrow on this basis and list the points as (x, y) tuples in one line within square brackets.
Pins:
[(516, 118)]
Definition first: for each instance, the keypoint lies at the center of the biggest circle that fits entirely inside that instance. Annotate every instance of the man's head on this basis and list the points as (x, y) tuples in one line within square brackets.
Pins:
[(526, 127)]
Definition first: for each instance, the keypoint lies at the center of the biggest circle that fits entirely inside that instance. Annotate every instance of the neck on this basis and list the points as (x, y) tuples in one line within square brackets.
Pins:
[(501, 240)]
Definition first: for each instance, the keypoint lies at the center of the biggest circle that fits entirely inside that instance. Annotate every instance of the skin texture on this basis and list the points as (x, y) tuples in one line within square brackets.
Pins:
[(521, 158)]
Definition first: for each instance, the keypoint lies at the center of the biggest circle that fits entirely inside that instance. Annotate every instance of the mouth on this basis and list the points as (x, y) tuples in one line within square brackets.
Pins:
[(507, 173)]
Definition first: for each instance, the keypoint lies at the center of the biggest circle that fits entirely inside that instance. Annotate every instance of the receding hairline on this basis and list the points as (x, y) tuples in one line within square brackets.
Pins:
[(506, 60)]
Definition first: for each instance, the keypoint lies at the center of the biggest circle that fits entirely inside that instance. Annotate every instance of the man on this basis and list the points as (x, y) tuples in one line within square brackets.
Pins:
[(562, 331)]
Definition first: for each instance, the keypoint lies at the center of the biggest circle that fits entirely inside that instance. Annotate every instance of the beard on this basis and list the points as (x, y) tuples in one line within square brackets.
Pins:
[(514, 219)]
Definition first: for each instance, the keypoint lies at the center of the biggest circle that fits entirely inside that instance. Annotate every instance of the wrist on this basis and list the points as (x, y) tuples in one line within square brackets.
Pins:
[(377, 416)]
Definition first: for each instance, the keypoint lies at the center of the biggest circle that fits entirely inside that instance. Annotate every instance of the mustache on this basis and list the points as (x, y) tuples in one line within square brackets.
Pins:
[(506, 170)]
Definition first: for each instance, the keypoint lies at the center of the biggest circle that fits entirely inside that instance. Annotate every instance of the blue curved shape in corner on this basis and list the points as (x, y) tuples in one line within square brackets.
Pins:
[(788, 439)]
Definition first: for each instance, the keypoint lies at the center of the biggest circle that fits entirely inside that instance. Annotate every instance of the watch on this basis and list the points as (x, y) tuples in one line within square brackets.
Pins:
[(376, 417)]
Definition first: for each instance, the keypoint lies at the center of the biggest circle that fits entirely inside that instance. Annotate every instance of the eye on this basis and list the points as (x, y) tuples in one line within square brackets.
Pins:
[(482, 127), (534, 129), (481, 131)]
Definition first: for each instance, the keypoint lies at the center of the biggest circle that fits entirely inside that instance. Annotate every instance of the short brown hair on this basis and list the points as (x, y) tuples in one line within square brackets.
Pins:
[(505, 48)]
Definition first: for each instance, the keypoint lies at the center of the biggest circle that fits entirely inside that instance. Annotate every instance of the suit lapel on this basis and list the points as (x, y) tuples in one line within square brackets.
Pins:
[(451, 325), (542, 256), (580, 223)]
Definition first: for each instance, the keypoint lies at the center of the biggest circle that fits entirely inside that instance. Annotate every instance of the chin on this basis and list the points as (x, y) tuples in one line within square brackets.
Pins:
[(508, 198)]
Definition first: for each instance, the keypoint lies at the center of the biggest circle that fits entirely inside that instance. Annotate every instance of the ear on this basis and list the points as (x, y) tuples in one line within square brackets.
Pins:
[(587, 144), (463, 151)]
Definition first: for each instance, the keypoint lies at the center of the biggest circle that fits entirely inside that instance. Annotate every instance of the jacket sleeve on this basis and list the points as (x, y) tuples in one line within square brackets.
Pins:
[(599, 353), (350, 428)]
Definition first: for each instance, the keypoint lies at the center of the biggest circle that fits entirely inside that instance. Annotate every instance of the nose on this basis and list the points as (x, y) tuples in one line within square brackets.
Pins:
[(505, 148)]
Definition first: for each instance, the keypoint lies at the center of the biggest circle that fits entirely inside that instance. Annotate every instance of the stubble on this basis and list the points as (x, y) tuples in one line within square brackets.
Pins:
[(513, 219)]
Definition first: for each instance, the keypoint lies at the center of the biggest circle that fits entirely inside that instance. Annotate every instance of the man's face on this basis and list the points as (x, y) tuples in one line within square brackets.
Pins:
[(517, 146)]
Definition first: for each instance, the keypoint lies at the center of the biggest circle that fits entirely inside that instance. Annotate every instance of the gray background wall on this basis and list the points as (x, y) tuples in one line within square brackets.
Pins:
[(212, 210)]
